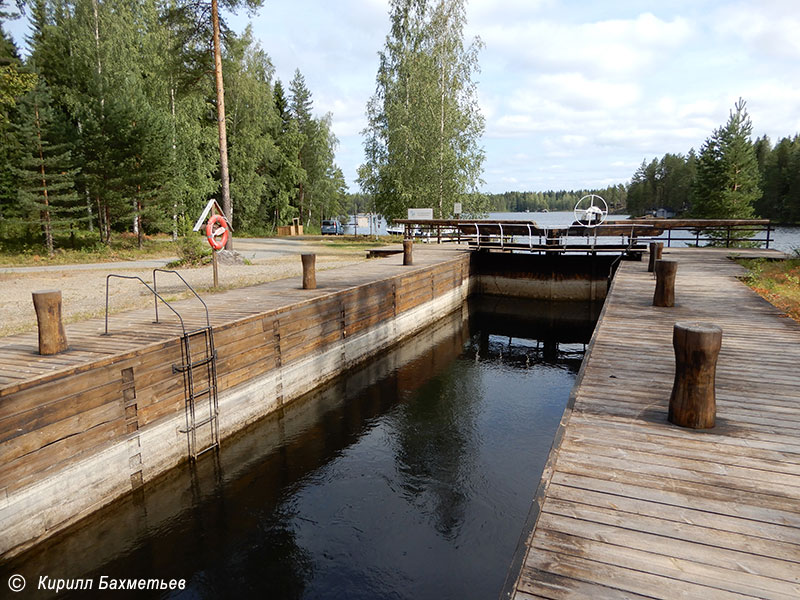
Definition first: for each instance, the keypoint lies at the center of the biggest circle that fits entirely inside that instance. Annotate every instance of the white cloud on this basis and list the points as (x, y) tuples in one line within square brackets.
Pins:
[(767, 27), (610, 47), (575, 94)]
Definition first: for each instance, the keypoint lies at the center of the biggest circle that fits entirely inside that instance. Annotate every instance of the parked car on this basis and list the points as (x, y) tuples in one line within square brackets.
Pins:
[(332, 227)]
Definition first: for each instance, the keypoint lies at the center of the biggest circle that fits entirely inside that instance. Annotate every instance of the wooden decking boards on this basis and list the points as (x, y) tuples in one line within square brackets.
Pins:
[(632, 506), (20, 363)]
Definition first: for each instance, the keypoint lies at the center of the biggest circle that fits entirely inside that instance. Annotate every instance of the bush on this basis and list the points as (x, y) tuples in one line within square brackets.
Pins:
[(192, 247)]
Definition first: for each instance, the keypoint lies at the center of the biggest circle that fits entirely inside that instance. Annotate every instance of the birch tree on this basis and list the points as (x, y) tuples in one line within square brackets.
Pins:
[(422, 141)]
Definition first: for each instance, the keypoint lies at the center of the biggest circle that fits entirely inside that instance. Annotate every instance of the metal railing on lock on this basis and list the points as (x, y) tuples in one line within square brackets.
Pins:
[(152, 291), (186, 283)]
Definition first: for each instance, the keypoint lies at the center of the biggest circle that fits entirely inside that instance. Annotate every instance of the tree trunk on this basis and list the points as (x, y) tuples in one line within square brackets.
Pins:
[(174, 156), (86, 188), (139, 228), (97, 51), (100, 227), (45, 214), (223, 135), (301, 197), (108, 224)]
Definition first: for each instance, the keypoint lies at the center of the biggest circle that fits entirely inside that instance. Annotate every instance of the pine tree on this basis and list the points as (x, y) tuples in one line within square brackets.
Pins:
[(281, 105), (300, 105), (727, 181), (781, 182), (14, 82), (198, 12), (47, 187)]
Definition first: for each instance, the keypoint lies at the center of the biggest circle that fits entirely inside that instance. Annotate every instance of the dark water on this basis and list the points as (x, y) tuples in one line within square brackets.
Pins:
[(408, 478)]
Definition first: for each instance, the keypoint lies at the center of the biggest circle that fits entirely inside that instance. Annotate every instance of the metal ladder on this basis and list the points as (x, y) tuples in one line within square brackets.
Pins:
[(202, 408)]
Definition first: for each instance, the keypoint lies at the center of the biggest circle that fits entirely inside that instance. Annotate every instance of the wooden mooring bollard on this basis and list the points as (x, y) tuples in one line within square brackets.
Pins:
[(693, 401), (665, 283), (656, 250), (309, 271), (52, 338), (408, 247)]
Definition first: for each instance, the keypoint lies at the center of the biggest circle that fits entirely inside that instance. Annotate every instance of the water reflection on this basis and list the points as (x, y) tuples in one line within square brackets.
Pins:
[(409, 477)]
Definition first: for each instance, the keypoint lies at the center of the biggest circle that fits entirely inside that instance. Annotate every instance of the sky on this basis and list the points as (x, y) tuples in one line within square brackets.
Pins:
[(575, 93)]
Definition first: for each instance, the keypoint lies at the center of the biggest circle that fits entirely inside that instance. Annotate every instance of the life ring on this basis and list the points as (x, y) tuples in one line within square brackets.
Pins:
[(212, 233)]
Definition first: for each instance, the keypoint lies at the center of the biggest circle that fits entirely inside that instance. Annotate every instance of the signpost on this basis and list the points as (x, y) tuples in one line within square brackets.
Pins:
[(216, 227), (420, 213)]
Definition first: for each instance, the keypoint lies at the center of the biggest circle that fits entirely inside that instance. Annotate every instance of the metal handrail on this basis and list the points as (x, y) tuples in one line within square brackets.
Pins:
[(186, 283), (143, 282)]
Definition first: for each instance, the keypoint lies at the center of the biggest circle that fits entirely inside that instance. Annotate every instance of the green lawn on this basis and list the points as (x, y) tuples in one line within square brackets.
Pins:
[(85, 248), (776, 281)]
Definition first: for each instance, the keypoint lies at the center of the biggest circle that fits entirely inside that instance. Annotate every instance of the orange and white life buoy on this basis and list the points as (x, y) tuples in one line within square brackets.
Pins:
[(212, 232)]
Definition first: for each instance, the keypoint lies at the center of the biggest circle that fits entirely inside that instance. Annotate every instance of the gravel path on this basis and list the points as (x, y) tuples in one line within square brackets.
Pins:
[(83, 289)]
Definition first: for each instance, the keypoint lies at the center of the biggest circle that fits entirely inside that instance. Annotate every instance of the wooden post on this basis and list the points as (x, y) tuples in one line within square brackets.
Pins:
[(665, 283), (408, 247), (52, 338), (693, 401), (215, 267), (309, 271), (656, 250)]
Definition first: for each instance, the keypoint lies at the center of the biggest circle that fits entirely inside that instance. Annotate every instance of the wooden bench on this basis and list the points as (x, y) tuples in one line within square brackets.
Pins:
[(383, 252)]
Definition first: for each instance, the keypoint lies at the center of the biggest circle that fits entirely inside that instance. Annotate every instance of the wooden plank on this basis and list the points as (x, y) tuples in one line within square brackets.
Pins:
[(33, 440), (31, 467), (559, 587), (637, 504), (624, 579), (675, 567)]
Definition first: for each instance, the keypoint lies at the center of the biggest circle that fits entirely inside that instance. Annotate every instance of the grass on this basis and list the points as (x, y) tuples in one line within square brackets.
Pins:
[(778, 282), (358, 242), (21, 249), (85, 247)]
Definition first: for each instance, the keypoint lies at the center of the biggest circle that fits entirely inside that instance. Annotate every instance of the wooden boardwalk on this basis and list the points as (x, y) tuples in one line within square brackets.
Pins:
[(21, 365), (631, 506)]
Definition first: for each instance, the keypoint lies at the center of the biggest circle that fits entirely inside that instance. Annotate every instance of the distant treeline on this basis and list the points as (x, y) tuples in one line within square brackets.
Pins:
[(672, 182), (615, 197)]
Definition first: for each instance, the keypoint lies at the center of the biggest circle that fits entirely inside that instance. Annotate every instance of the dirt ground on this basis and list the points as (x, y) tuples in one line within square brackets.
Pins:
[(83, 291)]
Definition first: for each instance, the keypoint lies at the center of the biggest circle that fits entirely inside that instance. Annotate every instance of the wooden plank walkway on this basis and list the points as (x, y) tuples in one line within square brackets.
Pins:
[(632, 506), (21, 365)]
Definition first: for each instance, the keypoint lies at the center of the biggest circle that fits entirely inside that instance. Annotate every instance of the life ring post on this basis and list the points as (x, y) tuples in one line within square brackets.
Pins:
[(215, 267), (217, 234)]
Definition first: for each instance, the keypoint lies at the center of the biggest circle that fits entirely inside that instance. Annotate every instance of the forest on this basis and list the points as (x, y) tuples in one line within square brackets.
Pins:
[(109, 125), (731, 177)]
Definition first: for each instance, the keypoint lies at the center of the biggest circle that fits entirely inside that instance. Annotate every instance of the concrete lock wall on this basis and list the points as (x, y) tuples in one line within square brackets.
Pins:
[(109, 428)]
